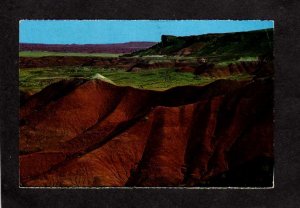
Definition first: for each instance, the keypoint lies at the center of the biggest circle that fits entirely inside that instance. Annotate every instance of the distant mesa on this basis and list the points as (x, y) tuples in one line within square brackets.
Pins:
[(251, 43), (88, 48)]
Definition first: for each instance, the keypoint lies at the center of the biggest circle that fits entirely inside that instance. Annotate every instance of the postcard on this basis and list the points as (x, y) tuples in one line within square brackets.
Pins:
[(146, 103)]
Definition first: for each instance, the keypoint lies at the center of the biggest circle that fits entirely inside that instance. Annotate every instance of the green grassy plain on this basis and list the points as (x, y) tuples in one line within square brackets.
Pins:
[(35, 79)]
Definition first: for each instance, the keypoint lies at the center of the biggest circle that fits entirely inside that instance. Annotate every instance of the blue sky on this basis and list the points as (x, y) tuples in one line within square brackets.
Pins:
[(120, 31)]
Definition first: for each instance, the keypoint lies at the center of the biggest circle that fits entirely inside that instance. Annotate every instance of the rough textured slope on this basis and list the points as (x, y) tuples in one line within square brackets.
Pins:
[(98, 134)]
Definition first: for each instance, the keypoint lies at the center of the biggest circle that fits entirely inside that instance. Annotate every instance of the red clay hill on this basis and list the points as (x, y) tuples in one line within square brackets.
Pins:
[(91, 133)]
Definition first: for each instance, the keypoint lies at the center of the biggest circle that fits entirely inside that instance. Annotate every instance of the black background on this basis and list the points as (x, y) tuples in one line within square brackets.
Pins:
[(287, 102)]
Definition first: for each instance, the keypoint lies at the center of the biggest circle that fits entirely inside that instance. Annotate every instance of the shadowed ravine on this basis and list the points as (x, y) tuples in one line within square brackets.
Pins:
[(91, 133)]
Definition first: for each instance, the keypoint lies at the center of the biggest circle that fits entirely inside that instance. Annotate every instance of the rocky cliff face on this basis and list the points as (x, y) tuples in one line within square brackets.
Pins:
[(92, 133)]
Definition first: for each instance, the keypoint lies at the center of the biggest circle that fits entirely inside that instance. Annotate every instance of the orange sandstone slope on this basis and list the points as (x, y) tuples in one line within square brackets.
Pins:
[(91, 133)]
